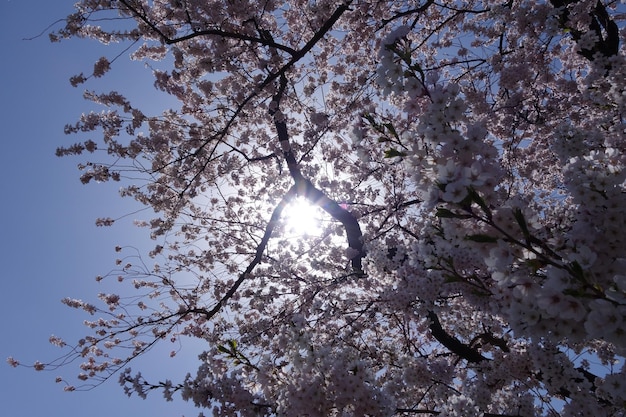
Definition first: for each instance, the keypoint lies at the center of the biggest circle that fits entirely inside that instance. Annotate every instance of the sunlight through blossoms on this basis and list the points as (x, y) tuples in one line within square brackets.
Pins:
[(302, 218), (468, 159)]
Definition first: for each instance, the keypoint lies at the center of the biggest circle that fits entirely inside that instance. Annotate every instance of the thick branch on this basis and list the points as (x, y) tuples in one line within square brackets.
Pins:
[(455, 345), (347, 219), (305, 187), (600, 22), (472, 355)]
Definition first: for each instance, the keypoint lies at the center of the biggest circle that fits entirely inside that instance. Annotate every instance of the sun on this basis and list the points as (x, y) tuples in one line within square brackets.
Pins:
[(302, 218)]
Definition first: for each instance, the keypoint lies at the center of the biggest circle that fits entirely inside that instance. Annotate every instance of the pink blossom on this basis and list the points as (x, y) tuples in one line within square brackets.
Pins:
[(101, 67), (13, 362)]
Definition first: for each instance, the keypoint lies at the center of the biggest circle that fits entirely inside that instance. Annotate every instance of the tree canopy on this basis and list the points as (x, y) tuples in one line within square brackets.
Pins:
[(466, 159)]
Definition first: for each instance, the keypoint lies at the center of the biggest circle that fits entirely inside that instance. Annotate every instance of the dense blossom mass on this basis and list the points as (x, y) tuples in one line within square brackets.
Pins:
[(468, 157)]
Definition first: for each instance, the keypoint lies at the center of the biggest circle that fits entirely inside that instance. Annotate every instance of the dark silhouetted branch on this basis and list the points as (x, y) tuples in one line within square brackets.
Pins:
[(305, 187), (452, 343)]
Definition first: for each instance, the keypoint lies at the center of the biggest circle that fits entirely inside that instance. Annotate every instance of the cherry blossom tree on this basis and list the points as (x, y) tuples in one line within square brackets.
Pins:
[(467, 161)]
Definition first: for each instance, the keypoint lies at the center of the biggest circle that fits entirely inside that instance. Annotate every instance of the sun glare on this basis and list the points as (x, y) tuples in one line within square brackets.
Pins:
[(302, 218)]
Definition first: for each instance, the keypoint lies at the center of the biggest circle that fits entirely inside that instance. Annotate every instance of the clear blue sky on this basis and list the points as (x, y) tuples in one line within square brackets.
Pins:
[(50, 247)]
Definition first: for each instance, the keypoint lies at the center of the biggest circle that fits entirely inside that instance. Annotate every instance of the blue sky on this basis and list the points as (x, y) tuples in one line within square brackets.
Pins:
[(51, 247)]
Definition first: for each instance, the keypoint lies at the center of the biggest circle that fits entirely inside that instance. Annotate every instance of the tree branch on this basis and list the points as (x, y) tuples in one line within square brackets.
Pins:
[(258, 255), (305, 187), (455, 345), (600, 20), (206, 32), (472, 355)]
